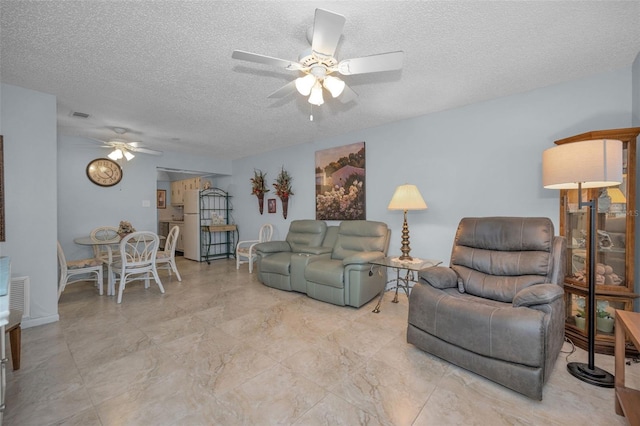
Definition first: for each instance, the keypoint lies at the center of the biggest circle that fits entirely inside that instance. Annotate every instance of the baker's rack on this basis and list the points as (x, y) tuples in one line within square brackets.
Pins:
[(217, 233)]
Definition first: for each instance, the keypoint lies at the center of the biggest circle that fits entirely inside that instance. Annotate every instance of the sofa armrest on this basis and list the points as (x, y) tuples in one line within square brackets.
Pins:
[(440, 277), (272, 247), (539, 294), (363, 257)]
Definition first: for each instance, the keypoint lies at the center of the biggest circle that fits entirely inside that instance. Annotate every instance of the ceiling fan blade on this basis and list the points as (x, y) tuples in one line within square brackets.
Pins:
[(327, 30), (284, 91), (146, 151), (136, 147), (263, 59), (375, 63), (348, 95)]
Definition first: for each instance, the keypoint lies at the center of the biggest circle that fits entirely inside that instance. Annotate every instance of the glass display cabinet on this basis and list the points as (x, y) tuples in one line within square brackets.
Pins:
[(615, 251)]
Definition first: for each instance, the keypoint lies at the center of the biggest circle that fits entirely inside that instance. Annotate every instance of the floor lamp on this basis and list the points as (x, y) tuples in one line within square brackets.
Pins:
[(583, 165)]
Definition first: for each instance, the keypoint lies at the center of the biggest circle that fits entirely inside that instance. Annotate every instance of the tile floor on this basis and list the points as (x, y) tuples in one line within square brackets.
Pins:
[(220, 348)]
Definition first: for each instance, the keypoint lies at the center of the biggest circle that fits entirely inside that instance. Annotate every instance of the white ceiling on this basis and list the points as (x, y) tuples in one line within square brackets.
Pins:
[(163, 69)]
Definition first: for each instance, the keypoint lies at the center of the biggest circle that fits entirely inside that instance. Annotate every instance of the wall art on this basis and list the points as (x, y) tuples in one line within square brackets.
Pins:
[(341, 183)]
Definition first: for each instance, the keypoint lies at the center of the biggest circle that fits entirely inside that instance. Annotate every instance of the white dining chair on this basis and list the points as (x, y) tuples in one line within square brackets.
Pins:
[(108, 253), (166, 259), (81, 269), (245, 252), (138, 252)]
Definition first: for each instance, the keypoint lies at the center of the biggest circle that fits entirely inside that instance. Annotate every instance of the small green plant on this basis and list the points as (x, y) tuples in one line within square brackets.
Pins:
[(601, 308)]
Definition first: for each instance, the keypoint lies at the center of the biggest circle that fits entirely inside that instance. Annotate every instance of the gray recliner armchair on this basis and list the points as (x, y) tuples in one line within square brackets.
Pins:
[(498, 309)]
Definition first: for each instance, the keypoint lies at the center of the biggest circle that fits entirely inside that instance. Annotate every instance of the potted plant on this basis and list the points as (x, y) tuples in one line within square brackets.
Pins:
[(604, 319), (283, 189), (258, 187), (125, 228)]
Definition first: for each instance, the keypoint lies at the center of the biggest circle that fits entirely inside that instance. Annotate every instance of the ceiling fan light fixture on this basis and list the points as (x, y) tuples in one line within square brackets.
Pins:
[(116, 154), (316, 95), (334, 85), (129, 156), (305, 84)]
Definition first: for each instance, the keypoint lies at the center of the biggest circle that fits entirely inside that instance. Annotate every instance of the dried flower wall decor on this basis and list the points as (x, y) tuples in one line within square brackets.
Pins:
[(259, 187), (282, 186)]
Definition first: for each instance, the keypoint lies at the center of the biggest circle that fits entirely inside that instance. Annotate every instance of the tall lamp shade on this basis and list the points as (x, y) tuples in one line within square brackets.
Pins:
[(406, 197), (578, 165), (590, 164)]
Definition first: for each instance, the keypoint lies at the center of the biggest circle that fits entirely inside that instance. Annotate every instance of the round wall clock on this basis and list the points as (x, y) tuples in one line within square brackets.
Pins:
[(104, 172)]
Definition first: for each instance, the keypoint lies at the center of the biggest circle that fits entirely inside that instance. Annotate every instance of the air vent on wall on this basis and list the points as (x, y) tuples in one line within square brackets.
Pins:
[(80, 114)]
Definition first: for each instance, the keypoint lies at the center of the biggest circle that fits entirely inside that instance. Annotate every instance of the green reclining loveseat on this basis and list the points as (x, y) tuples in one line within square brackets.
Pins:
[(328, 263)]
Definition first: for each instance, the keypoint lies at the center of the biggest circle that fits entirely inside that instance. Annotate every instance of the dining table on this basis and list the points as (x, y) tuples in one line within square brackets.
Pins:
[(88, 241)]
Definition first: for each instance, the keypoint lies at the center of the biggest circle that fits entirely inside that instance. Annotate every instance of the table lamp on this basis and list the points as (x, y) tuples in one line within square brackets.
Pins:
[(578, 165), (407, 197)]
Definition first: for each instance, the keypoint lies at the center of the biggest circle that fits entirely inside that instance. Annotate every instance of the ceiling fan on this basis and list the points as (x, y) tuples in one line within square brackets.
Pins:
[(122, 148), (318, 65)]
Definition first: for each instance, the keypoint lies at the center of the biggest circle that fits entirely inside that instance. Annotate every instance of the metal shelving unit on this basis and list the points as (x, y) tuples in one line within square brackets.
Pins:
[(217, 233)]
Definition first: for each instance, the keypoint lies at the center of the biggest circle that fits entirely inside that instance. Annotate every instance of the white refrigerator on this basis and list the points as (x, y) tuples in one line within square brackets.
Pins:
[(191, 236)]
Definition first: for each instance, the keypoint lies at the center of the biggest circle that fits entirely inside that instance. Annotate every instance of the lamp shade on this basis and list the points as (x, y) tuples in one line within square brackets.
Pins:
[(304, 84), (116, 154), (334, 85), (617, 197), (407, 197), (593, 164), (316, 94)]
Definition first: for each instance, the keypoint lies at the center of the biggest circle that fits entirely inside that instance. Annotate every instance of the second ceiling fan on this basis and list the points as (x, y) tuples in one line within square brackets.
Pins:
[(318, 65)]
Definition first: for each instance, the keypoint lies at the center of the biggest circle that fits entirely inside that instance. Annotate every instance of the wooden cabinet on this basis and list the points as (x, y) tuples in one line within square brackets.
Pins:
[(627, 400), (177, 193), (179, 187), (615, 251), (179, 241)]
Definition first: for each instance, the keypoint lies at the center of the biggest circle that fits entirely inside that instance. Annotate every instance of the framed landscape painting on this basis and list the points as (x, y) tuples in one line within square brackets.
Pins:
[(341, 183)]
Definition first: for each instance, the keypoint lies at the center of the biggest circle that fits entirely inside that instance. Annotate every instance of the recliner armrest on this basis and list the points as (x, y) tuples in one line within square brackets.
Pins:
[(539, 294), (362, 257), (273, 247), (440, 277)]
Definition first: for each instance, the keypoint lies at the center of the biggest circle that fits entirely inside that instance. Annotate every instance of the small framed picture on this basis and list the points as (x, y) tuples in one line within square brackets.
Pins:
[(272, 205), (161, 201)]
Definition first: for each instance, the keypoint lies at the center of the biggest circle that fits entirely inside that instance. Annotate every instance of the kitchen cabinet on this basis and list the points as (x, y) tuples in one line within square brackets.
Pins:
[(179, 241), (180, 187), (177, 193), (615, 251)]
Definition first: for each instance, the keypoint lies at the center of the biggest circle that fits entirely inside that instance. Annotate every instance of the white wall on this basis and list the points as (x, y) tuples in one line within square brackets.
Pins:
[(82, 205), (479, 160), (29, 129), (483, 159)]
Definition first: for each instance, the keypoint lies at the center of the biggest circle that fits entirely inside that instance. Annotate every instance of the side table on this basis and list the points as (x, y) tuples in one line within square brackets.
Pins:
[(404, 282), (627, 400)]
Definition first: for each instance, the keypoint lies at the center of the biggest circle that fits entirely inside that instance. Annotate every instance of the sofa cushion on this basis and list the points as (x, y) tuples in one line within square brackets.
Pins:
[(483, 326), (278, 263), (357, 236), (306, 233), (326, 272)]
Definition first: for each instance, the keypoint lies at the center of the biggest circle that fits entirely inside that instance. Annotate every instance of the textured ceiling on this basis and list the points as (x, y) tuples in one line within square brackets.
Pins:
[(163, 69)]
